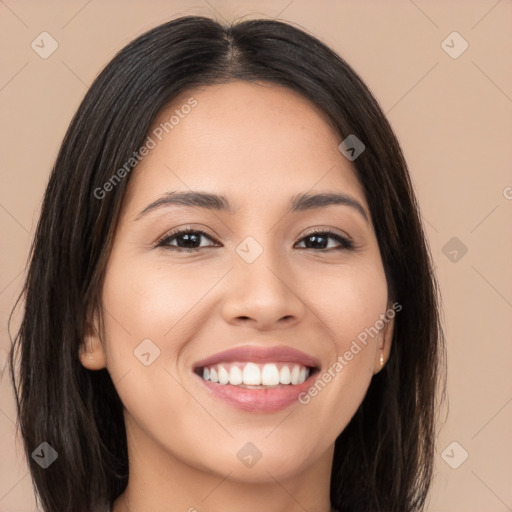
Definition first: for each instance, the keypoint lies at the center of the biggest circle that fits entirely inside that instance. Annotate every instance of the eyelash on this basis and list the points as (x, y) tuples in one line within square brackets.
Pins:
[(345, 243)]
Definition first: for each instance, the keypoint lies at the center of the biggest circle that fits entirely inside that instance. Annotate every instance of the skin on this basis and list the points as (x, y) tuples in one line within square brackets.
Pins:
[(257, 144)]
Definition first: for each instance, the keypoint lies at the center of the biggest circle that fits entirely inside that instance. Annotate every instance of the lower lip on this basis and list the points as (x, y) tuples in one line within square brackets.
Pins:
[(258, 400)]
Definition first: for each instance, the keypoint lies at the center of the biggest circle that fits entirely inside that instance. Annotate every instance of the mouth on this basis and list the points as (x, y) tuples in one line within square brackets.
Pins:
[(251, 375), (257, 379)]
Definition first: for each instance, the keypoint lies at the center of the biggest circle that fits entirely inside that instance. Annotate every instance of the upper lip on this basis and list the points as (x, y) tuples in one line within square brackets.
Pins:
[(258, 354)]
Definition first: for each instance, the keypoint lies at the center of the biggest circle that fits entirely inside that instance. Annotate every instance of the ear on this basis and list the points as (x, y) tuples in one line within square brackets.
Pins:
[(384, 343), (92, 353)]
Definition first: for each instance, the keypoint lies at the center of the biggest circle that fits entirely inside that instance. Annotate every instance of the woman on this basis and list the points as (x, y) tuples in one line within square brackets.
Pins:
[(230, 301)]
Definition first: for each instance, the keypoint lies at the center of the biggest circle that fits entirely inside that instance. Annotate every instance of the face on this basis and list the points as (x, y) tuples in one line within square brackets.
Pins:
[(286, 286)]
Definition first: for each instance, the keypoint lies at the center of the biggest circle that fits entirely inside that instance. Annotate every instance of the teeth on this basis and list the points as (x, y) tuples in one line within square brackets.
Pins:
[(270, 375), (252, 374), (285, 376), (235, 376), (223, 375), (294, 375)]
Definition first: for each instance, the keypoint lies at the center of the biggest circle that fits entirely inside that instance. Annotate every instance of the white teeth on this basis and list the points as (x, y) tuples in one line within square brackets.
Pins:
[(270, 375), (252, 374), (235, 376), (223, 375), (285, 376), (294, 377)]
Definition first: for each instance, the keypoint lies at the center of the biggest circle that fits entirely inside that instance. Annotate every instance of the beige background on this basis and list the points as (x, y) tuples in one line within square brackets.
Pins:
[(452, 117)]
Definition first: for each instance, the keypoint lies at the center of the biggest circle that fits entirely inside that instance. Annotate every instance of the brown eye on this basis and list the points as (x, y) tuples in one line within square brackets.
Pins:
[(320, 240), (190, 240), (186, 239)]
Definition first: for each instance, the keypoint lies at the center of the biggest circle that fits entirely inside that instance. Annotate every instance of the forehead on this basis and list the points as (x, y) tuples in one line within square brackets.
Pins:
[(252, 142)]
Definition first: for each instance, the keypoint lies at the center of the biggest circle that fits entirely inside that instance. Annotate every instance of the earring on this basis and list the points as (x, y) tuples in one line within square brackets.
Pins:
[(382, 359)]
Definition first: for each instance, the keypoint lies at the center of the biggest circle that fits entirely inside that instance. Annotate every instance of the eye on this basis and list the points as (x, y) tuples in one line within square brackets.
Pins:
[(186, 239), (319, 238), (189, 239)]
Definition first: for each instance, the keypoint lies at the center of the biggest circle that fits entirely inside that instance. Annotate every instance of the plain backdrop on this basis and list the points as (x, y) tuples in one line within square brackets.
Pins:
[(450, 106)]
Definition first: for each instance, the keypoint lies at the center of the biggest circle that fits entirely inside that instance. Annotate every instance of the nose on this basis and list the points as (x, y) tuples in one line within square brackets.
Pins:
[(265, 294)]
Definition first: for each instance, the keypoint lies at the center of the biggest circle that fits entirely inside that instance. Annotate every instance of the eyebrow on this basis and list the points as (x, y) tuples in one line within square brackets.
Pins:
[(298, 202)]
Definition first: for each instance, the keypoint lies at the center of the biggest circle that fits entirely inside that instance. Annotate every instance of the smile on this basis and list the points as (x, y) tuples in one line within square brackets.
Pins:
[(254, 375), (257, 379)]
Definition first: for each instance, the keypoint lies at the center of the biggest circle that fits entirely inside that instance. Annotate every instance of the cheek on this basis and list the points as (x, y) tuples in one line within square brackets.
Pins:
[(350, 306), (150, 311), (349, 300), (152, 308), (149, 300)]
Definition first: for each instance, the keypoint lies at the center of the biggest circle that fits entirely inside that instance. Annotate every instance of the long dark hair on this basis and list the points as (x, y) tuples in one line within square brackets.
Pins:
[(383, 459)]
